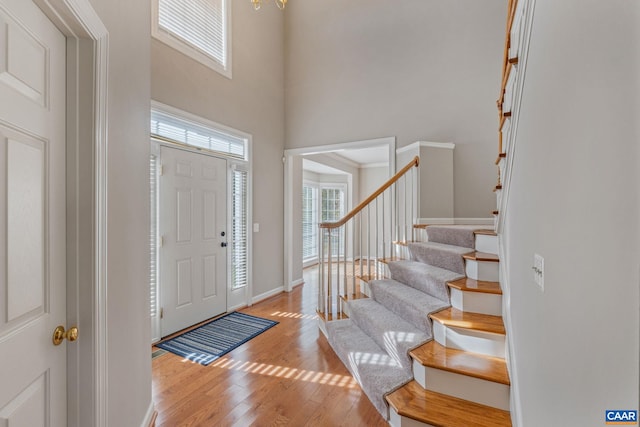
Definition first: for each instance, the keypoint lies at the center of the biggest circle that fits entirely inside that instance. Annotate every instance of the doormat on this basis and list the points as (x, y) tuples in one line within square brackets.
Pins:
[(212, 340)]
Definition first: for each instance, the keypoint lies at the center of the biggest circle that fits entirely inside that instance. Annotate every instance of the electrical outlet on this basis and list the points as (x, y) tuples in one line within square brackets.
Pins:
[(256, 227), (538, 270)]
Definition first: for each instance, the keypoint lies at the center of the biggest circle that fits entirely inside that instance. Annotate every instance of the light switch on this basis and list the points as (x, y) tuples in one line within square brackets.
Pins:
[(256, 227), (538, 271)]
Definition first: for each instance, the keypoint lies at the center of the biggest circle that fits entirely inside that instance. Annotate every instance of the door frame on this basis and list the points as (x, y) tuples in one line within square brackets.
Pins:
[(290, 178), (87, 41)]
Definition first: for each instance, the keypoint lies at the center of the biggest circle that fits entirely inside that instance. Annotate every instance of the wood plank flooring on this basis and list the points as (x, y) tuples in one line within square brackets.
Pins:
[(286, 376)]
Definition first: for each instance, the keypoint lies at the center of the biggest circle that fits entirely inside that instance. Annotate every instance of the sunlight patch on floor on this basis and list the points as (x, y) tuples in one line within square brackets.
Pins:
[(294, 315), (325, 378)]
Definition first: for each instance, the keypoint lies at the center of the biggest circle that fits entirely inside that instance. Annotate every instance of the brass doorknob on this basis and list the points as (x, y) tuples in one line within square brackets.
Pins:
[(59, 334)]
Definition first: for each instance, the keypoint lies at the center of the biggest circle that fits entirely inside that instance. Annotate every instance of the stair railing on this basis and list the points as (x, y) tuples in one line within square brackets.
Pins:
[(383, 219)]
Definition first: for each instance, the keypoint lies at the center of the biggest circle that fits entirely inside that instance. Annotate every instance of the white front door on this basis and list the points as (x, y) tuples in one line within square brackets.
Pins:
[(32, 217), (193, 255)]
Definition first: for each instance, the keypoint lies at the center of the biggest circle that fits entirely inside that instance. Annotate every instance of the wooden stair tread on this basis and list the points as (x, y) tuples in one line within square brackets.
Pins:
[(500, 157), (354, 296), (468, 320), (412, 401), (481, 256), (390, 259), (495, 212), (485, 232), (332, 316), (497, 187), (365, 277), (401, 243), (467, 284), (462, 362)]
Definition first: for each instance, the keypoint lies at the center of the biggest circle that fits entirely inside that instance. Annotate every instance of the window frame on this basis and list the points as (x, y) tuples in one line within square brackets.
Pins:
[(315, 187), (318, 187), (189, 49)]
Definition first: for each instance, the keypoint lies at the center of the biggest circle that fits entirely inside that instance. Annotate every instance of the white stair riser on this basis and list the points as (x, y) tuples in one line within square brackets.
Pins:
[(365, 288), (477, 302), (481, 342), (401, 251), (462, 386), (397, 420), (501, 166), (420, 235), (323, 327), (486, 243), (498, 197), (482, 270)]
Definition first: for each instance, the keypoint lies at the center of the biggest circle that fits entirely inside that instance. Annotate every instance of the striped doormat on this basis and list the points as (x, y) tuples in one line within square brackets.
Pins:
[(210, 341)]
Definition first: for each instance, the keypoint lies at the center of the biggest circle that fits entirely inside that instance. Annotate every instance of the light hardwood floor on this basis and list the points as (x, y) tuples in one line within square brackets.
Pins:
[(286, 376)]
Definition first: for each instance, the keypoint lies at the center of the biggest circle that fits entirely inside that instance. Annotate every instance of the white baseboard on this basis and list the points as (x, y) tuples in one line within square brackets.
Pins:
[(150, 416), (266, 295), (466, 221), (295, 283)]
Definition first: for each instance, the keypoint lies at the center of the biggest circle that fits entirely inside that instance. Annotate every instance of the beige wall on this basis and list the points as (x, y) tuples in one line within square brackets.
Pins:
[(371, 179), (129, 334), (253, 102), (415, 69), (574, 199)]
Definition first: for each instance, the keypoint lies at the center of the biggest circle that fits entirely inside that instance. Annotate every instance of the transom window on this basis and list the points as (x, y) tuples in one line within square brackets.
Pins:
[(197, 28), (178, 126)]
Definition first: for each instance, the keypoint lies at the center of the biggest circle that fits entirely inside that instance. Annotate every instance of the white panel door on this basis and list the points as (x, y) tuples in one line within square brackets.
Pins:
[(193, 255), (32, 217)]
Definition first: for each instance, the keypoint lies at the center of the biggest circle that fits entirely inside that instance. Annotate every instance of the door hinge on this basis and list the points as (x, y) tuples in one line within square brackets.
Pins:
[(161, 312), (161, 170), (161, 241)]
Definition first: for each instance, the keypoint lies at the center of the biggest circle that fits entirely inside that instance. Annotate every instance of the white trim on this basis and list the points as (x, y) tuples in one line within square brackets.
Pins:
[(374, 165), (191, 51), (455, 221), (149, 416), (515, 113), (419, 144), (338, 158), (296, 282), (523, 55), (269, 294), (317, 149), (78, 21)]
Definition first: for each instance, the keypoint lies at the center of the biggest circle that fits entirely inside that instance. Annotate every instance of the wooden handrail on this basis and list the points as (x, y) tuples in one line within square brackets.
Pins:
[(415, 162), (506, 62)]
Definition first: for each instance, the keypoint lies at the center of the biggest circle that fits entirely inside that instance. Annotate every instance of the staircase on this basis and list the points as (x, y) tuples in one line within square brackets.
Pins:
[(424, 337)]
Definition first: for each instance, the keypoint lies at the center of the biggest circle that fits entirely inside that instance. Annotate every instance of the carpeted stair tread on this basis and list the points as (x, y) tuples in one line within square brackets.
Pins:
[(462, 362), (456, 235), (481, 256), (376, 372), (424, 277), (466, 320), (467, 284), (414, 402), (408, 303), (440, 255), (392, 333)]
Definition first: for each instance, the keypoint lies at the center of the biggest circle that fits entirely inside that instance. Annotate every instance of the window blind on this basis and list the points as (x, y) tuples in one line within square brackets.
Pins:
[(239, 230), (153, 237), (178, 129), (309, 222), (199, 23)]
